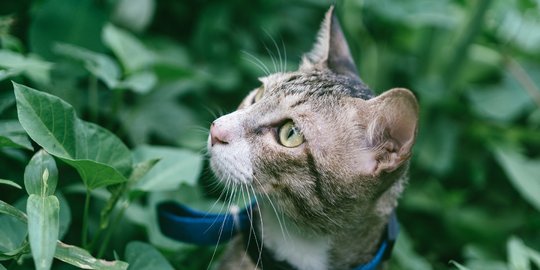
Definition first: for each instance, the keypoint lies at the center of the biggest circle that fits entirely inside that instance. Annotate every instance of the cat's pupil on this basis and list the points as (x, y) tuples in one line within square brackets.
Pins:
[(292, 131)]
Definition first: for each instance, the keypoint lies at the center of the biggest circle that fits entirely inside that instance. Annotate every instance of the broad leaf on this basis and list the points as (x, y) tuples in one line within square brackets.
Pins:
[(142, 256), (98, 155), (131, 52), (176, 166), (522, 172), (81, 258), (43, 228), (41, 175), (12, 134)]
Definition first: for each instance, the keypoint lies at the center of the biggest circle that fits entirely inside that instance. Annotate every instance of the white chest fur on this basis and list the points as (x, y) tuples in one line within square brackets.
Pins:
[(289, 243)]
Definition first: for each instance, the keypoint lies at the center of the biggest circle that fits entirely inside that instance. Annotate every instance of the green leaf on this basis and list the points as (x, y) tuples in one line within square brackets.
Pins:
[(98, 155), (100, 65), (518, 255), (534, 256), (15, 63), (405, 255), (64, 215), (131, 52), (7, 209), (43, 228), (416, 13), (41, 175), (140, 82), (135, 15), (142, 256), (12, 134), (492, 101), (140, 120), (13, 232), (176, 166), (522, 172), (81, 258), (9, 183), (74, 22)]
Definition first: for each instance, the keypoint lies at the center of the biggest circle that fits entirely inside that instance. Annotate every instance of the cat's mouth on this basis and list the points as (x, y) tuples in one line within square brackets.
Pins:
[(231, 163)]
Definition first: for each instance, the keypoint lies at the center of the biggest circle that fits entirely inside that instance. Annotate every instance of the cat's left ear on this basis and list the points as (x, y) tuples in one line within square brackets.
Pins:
[(331, 50), (391, 125)]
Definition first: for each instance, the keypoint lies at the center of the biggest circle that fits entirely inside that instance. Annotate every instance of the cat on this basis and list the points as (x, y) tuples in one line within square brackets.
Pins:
[(326, 158)]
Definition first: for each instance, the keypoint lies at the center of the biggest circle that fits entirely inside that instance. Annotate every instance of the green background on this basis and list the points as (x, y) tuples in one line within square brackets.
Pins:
[(157, 72)]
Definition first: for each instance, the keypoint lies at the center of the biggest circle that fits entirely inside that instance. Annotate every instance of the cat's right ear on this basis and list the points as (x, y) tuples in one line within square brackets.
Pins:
[(391, 121), (331, 50)]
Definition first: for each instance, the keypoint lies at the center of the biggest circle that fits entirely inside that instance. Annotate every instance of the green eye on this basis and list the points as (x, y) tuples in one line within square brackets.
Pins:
[(289, 135), (259, 94)]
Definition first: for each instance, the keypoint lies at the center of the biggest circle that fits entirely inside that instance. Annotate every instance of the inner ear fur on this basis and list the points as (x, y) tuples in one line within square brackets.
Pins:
[(391, 128)]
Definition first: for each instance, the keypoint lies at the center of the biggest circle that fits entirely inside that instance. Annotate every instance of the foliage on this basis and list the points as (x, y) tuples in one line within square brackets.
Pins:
[(124, 88)]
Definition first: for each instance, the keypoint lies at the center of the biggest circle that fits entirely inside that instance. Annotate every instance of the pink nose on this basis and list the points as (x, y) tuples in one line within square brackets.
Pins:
[(218, 135)]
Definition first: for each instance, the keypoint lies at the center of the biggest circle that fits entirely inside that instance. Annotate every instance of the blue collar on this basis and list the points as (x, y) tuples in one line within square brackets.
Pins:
[(200, 228)]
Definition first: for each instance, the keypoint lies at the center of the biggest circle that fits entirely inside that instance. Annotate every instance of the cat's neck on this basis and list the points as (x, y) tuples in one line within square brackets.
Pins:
[(351, 246)]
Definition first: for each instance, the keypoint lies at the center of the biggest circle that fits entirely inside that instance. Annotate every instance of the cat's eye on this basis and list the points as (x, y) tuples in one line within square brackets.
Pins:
[(290, 135), (259, 94)]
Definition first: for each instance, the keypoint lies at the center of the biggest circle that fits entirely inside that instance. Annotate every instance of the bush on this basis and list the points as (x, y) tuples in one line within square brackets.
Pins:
[(126, 90)]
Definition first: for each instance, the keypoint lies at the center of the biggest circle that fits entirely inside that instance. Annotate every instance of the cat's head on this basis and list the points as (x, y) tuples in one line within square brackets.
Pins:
[(316, 140)]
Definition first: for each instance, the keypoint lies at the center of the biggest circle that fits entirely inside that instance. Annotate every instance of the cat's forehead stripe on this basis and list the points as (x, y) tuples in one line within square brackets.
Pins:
[(316, 84)]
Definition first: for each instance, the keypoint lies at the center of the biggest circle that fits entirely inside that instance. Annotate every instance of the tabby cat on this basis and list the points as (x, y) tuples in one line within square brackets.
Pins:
[(326, 158)]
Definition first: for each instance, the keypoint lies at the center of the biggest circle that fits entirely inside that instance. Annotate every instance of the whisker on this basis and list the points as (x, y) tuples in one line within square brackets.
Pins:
[(258, 63), (277, 49)]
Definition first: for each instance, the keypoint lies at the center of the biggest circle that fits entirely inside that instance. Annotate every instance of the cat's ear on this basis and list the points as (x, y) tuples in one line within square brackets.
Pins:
[(331, 50), (392, 120)]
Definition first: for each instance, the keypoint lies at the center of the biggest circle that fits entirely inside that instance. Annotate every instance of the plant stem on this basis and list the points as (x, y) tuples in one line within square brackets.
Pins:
[(472, 28), (84, 232), (107, 238)]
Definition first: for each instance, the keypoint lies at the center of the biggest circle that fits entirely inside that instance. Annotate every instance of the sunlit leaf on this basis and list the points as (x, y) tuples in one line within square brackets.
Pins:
[(522, 172), (132, 53), (43, 228), (142, 256), (10, 183), (175, 166), (458, 265), (83, 259), (98, 155), (518, 255)]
